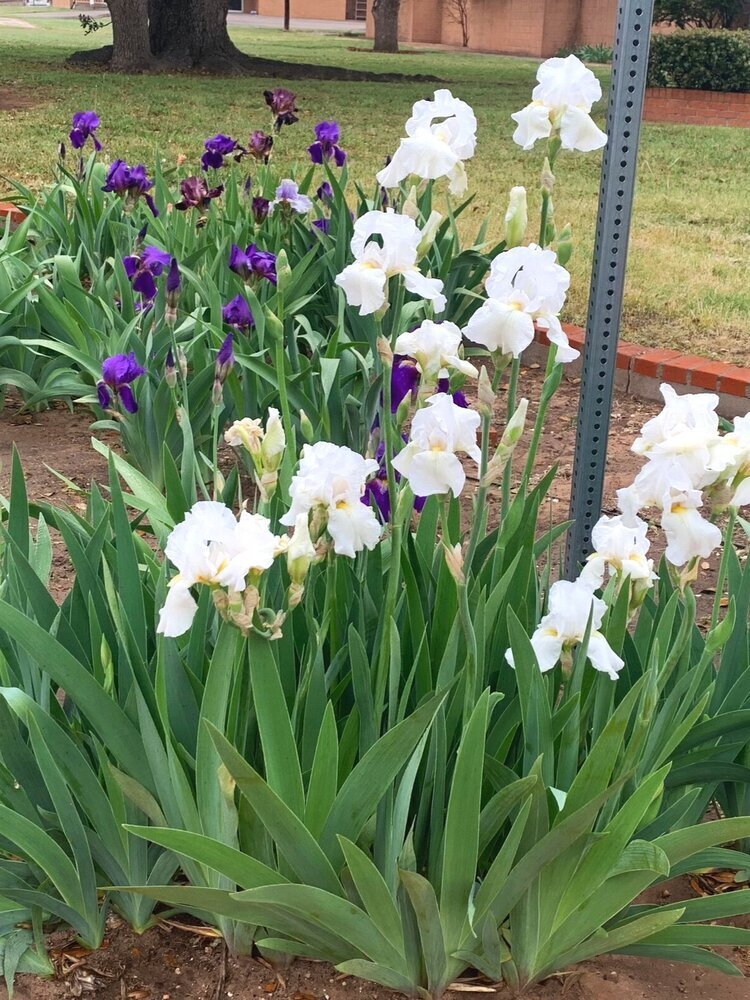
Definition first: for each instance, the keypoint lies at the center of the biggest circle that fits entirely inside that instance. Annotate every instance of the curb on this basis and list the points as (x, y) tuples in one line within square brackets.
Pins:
[(641, 371)]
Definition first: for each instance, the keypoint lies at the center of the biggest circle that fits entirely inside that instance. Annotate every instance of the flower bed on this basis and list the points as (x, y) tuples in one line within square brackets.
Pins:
[(327, 693)]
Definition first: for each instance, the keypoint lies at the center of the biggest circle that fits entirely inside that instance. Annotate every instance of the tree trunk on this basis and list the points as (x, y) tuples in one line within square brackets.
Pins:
[(187, 34), (130, 39), (287, 14), (385, 15)]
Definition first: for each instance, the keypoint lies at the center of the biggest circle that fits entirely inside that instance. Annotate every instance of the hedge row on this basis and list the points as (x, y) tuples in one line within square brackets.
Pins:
[(702, 59)]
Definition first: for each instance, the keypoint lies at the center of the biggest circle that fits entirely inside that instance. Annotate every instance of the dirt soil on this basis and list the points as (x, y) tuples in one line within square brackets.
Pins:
[(11, 99), (169, 963), (60, 439)]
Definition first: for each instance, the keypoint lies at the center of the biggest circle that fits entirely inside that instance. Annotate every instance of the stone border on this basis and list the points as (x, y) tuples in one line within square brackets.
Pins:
[(641, 370), (696, 107)]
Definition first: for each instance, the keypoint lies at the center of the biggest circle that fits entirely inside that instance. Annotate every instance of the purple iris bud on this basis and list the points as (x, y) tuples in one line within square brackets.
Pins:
[(260, 145), (237, 313), (324, 225), (248, 184), (118, 372), (170, 370), (225, 359), (85, 124), (324, 192), (196, 194), (144, 268), (173, 277), (131, 183), (326, 145), (217, 147), (404, 379), (283, 105), (253, 263), (444, 385), (260, 208)]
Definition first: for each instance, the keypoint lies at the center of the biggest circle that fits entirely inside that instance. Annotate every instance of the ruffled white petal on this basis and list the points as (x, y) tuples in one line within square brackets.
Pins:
[(532, 123), (178, 612)]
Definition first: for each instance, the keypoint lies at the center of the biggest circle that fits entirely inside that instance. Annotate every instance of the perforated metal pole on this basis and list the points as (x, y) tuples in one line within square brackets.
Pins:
[(629, 65)]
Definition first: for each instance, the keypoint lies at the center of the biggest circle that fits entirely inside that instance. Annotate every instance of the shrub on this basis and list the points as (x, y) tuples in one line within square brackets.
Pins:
[(701, 60), (600, 53), (698, 13)]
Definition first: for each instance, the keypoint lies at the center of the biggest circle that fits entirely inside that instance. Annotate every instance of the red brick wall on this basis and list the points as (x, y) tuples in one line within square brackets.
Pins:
[(325, 10), (696, 107), (519, 27)]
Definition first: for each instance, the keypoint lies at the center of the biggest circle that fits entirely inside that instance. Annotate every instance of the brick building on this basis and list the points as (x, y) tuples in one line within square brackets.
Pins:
[(517, 27)]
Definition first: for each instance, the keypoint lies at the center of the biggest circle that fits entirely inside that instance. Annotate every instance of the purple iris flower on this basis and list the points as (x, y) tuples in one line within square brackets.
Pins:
[(283, 105), (217, 147), (404, 379), (324, 225), (324, 192), (237, 313), (260, 145), (444, 385), (260, 208), (130, 182), (85, 124), (117, 374), (376, 489), (327, 135), (144, 268), (253, 263), (196, 194)]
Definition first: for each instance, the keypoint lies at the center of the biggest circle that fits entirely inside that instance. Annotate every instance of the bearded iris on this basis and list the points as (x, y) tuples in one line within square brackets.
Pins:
[(525, 286), (439, 431), (560, 105), (440, 135), (260, 146), (118, 373), (130, 183), (330, 481), (85, 124), (283, 105), (253, 263), (144, 268), (217, 147), (237, 313), (326, 146), (197, 194), (288, 199), (365, 281)]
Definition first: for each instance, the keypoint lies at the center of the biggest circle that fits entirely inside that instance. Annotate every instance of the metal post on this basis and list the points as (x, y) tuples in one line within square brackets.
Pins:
[(629, 65)]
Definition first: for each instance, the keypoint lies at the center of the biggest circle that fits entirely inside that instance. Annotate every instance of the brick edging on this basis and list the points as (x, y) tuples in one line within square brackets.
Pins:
[(7, 208), (696, 107), (641, 370)]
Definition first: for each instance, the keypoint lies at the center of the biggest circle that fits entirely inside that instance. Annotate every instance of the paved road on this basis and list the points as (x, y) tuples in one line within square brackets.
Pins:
[(235, 20)]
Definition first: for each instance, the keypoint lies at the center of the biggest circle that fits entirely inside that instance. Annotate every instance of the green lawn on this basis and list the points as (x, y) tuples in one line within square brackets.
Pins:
[(689, 281)]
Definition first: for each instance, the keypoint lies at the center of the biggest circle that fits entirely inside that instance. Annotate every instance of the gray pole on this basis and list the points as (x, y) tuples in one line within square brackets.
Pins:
[(629, 65)]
